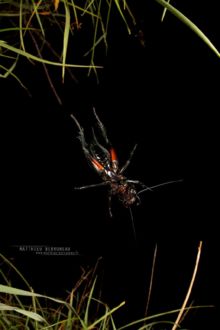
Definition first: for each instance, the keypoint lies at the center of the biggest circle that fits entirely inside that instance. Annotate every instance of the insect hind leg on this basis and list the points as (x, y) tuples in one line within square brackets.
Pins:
[(102, 128), (82, 138), (97, 144)]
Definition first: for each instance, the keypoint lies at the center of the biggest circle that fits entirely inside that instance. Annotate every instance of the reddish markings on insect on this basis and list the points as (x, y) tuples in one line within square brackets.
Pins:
[(104, 160), (113, 155), (97, 165), (114, 160)]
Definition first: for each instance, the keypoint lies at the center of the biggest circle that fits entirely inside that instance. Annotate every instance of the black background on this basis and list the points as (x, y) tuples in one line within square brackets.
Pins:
[(165, 98)]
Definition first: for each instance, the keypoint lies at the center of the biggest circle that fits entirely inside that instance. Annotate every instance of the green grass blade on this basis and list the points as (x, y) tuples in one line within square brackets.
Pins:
[(9, 71), (75, 13), (70, 312), (5, 278), (164, 12), (32, 315), (65, 37), (3, 44), (108, 17), (131, 14), (16, 270), (190, 24), (21, 25), (35, 310), (122, 15), (95, 35), (94, 45), (87, 7), (109, 313), (14, 291), (18, 29), (175, 311), (86, 318), (35, 12)]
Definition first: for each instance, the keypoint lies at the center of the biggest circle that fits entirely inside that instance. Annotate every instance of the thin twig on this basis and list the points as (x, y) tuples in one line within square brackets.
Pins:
[(46, 70), (189, 289)]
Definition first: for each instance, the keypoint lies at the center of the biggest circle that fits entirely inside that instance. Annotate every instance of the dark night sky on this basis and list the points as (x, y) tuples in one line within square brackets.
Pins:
[(165, 98)]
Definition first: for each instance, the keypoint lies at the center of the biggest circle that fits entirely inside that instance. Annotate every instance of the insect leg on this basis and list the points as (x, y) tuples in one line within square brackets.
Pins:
[(111, 154), (129, 159), (92, 185), (96, 143), (139, 183), (82, 138), (102, 128)]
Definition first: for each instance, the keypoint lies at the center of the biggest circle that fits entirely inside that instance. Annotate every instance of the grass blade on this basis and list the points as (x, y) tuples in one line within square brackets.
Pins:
[(65, 37), (122, 15), (3, 44), (190, 24), (20, 292), (176, 324), (32, 315), (86, 318), (21, 25), (110, 312)]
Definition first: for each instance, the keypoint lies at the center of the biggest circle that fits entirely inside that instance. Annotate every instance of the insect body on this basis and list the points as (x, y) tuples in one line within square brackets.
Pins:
[(105, 162)]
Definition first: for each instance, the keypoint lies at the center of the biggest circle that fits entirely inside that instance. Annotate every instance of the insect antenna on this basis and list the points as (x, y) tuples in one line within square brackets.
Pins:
[(132, 222), (158, 185)]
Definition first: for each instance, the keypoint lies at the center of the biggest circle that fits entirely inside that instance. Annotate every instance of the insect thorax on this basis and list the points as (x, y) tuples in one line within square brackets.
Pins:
[(100, 154), (126, 193)]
